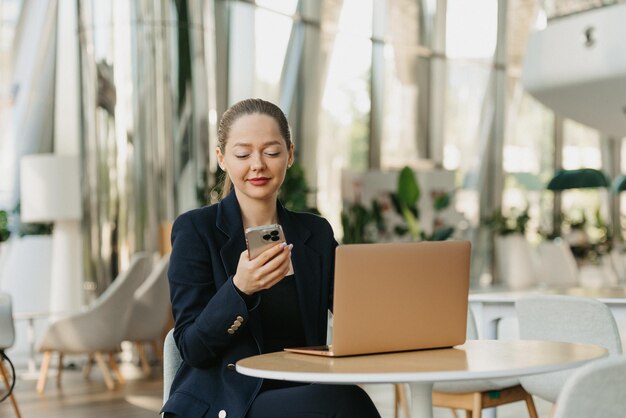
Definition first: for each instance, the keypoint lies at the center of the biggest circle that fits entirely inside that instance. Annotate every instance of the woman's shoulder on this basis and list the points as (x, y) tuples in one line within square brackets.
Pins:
[(311, 220), (198, 216)]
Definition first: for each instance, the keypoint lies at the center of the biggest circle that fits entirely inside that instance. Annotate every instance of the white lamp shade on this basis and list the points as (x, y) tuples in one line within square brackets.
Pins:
[(49, 188)]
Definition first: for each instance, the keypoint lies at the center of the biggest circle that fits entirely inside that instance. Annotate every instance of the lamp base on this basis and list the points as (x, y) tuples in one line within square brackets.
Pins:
[(66, 281)]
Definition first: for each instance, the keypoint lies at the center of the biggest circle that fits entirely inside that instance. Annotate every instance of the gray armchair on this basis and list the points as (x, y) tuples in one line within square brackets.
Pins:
[(98, 329), (150, 313), (7, 339), (171, 362)]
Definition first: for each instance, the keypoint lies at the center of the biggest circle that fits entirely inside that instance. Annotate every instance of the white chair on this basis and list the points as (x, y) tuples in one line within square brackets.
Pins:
[(7, 339), (171, 363), (475, 395), (596, 390), (472, 396), (150, 313), (97, 330), (564, 318), (557, 265)]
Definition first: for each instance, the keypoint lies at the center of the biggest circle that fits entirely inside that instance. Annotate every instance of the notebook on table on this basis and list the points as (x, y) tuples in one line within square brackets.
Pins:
[(398, 297)]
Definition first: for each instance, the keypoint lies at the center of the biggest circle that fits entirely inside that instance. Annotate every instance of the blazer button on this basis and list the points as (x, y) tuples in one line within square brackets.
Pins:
[(221, 414), (230, 366), (230, 331), (237, 322), (240, 318)]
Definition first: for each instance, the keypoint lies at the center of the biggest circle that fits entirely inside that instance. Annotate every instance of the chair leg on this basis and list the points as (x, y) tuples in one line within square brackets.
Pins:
[(530, 404), (477, 410), (116, 370), (59, 369), (158, 350), (143, 359), (402, 401), (108, 380), (88, 366), (43, 373), (5, 375)]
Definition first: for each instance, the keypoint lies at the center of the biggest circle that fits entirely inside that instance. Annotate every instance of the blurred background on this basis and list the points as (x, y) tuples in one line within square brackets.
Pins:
[(497, 121)]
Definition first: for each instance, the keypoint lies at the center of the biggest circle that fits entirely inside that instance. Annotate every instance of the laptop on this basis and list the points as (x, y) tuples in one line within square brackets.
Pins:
[(398, 297)]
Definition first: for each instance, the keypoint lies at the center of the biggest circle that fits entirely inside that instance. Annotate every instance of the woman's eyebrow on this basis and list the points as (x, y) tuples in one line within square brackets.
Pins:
[(247, 144)]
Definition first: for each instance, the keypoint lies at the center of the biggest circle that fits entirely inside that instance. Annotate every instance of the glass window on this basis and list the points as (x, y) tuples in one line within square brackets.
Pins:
[(528, 161), (466, 90), (581, 149), (287, 7), (400, 108), (344, 118), (259, 39), (9, 16), (272, 32), (471, 28)]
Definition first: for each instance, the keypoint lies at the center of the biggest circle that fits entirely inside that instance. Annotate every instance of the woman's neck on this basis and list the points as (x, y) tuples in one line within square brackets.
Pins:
[(257, 212)]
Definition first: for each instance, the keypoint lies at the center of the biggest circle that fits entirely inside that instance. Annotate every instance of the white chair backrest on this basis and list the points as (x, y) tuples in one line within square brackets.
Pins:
[(595, 390), (568, 318), (7, 328), (557, 265), (171, 363), (115, 302), (472, 330), (564, 318), (155, 287)]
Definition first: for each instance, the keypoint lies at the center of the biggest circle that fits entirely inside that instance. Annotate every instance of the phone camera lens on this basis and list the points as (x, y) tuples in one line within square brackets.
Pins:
[(274, 233), (275, 238), (267, 237)]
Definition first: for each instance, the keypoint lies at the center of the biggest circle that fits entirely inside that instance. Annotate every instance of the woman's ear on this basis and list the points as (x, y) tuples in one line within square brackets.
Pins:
[(220, 158), (291, 157)]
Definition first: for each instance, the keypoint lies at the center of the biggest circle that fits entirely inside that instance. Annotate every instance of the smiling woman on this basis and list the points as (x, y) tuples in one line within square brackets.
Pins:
[(227, 306)]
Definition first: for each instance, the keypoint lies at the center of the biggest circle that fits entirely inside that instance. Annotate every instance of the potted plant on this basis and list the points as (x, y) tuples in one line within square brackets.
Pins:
[(514, 262), (5, 233)]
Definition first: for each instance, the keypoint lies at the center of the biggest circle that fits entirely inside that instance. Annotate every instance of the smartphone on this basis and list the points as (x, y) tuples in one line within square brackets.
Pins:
[(260, 238)]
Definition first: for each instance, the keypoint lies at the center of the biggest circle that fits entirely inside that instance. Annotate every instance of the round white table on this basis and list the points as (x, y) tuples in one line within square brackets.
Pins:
[(476, 359)]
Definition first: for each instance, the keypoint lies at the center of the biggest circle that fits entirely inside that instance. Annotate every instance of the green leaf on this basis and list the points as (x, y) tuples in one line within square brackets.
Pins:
[(408, 189)]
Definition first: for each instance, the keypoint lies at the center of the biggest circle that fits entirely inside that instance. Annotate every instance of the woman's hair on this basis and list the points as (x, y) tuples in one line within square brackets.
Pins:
[(249, 107)]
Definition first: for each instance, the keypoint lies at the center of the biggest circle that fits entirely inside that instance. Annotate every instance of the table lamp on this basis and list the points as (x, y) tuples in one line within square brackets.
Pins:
[(50, 192)]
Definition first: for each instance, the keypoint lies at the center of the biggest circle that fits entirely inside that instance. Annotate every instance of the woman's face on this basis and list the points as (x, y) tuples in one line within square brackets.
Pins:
[(255, 157)]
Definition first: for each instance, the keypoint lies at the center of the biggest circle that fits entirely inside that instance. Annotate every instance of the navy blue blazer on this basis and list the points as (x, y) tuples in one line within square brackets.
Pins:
[(206, 245)]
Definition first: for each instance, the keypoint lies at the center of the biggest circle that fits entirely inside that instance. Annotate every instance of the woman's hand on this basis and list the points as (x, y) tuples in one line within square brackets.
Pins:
[(270, 267)]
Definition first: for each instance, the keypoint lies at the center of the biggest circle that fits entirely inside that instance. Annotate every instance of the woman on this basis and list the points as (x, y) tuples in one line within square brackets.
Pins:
[(228, 307)]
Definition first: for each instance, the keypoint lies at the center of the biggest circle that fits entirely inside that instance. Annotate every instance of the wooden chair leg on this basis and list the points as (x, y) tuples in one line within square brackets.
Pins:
[(5, 376), (116, 370), (477, 409), (396, 400), (158, 350), (88, 366), (43, 373), (59, 369), (108, 380), (402, 403), (145, 364), (468, 414), (530, 404)]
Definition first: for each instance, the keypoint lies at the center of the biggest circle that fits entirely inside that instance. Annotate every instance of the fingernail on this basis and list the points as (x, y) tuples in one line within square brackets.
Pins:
[(290, 247), (283, 244)]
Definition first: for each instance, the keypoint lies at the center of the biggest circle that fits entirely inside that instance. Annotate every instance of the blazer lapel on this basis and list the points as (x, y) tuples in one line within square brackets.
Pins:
[(229, 222)]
